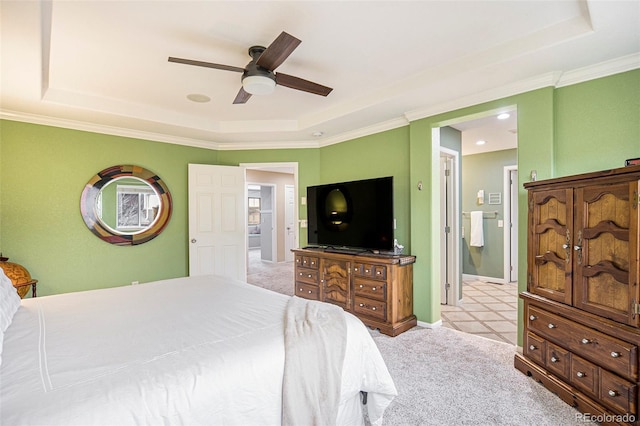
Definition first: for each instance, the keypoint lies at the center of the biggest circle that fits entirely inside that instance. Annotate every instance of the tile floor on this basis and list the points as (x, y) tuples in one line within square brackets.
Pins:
[(488, 309)]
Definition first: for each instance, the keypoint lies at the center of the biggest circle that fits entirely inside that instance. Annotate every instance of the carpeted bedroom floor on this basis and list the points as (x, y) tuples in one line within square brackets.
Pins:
[(445, 376)]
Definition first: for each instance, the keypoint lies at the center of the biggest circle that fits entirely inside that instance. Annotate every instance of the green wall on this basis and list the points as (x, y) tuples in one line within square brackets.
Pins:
[(585, 127), (485, 171)]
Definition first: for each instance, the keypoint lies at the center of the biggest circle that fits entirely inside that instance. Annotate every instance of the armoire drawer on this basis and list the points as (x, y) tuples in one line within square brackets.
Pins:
[(619, 394), (618, 355), (371, 289), (558, 360), (535, 348), (585, 375)]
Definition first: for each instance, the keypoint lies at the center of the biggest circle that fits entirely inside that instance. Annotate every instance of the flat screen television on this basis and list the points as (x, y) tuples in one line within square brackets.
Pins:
[(351, 215)]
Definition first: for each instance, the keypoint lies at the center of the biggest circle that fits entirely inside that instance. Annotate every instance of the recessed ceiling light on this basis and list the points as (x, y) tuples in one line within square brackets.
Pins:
[(504, 116), (317, 134), (481, 142), (197, 97)]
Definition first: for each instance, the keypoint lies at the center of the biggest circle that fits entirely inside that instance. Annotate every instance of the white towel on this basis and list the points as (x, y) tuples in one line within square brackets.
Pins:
[(477, 231)]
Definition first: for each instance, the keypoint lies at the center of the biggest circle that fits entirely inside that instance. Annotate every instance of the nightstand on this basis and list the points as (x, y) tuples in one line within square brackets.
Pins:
[(23, 288)]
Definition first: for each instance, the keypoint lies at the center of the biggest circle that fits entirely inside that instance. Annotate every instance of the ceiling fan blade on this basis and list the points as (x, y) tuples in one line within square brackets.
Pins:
[(278, 51), (205, 64), (242, 97), (302, 84)]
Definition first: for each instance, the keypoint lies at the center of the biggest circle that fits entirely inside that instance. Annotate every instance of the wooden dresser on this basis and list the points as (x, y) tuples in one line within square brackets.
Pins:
[(581, 307), (378, 289)]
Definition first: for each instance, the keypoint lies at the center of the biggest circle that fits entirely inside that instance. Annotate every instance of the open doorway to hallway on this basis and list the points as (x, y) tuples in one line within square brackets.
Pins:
[(272, 220)]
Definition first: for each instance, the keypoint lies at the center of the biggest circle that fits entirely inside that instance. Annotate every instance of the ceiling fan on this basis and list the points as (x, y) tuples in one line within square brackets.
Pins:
[(258, 77)]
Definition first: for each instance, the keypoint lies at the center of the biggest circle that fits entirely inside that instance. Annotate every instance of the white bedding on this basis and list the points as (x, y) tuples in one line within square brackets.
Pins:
[(199, 350)]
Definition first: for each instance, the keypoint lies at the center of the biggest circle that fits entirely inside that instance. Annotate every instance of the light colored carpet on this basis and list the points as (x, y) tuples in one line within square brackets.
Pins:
[(447, 377)]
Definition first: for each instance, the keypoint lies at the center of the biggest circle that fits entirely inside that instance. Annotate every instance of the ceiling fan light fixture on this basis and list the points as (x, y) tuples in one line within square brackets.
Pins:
[(258, 85)]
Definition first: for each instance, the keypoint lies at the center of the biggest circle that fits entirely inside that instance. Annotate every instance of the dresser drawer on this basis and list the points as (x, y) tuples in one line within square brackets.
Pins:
[(307, 291), (535, 348), (371, 289), (307, 261), (371, 308), (306, 275), (377, 272), (617, 393), (558, 360), (584, 375), (617, 355)]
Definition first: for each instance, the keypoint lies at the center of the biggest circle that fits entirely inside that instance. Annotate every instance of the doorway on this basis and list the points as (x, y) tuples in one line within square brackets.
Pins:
[(280, 214), (261, 220), (486, 302)]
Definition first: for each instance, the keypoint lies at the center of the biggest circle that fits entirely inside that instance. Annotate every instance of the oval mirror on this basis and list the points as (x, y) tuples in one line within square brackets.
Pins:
[(126, 205)]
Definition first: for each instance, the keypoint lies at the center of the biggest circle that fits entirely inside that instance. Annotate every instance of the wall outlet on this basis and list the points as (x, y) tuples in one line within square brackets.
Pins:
[(135, 282)]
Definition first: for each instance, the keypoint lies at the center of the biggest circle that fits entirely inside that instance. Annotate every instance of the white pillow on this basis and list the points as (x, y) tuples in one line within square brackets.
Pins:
[(9, 301), (9, 304)]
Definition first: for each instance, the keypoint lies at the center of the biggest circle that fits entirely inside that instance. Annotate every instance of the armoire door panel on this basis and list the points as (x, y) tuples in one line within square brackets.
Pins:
[(606, 223), (550, 244)]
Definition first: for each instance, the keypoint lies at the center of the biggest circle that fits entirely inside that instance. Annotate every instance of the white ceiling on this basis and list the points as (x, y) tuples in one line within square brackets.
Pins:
[(102, 65)]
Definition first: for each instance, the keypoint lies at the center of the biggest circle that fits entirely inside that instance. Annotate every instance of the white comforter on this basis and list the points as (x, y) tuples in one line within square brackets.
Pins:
[(200, 350)]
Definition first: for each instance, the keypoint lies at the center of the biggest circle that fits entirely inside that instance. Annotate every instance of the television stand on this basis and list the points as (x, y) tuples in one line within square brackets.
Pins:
[(377, 288)]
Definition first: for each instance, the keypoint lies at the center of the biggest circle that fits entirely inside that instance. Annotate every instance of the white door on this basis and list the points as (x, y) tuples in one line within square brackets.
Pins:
[(445, 226), (289, 224), (217, 221)]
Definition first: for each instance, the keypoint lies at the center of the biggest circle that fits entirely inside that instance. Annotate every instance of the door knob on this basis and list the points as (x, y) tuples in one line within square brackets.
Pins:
[(193, 240)]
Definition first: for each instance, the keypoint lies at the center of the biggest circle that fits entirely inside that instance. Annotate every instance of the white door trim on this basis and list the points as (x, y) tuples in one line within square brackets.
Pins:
[(509, 223)]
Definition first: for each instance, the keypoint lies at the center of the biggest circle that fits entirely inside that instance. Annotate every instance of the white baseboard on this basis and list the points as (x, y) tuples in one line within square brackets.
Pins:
[(483, 279), (436, 324)]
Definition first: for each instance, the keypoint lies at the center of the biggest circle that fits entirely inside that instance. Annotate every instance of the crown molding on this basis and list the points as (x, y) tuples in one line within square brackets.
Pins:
[(603, 69), (538, 82), (365, 131), (103, 129)]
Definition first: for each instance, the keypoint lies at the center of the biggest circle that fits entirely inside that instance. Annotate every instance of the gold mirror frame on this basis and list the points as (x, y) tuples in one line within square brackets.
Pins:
[(91, 193)]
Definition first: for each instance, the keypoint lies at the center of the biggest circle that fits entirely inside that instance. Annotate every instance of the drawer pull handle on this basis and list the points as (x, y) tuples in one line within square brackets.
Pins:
[(533, 317), (378, 272), (361, 305), (300, 290), (551, 325), (533, 348), (613, 393), (585, 341), (373, 289), (309, 291), (615, 354), (361, 286), (554, 359), (580, 374), (374, 308), (366, 270)]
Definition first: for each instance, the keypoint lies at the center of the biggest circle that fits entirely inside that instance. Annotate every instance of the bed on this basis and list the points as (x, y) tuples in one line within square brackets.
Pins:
[(197, 350)]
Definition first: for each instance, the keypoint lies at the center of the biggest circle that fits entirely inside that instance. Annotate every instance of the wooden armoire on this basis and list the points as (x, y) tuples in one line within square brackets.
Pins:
[(582, 304)]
